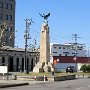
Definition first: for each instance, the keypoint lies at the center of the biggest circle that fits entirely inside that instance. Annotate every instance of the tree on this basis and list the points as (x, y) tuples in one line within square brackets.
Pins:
[(83, 68), (88, 68)]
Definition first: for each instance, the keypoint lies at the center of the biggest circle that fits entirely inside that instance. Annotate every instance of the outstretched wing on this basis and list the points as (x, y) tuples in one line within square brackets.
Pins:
[(40, 15), (48, 15)]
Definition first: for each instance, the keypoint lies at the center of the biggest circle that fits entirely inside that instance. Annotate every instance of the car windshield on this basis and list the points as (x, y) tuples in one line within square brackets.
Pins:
[(70, 67)]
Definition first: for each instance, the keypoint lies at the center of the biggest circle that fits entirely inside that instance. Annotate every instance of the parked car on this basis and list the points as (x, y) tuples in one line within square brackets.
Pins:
[(71, 69)]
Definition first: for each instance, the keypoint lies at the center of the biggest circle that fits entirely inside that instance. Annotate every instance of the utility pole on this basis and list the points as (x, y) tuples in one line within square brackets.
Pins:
[(26, 36), (75, 36)]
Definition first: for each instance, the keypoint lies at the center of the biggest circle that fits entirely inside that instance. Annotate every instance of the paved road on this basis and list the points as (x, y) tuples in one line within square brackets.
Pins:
[(78, 84)]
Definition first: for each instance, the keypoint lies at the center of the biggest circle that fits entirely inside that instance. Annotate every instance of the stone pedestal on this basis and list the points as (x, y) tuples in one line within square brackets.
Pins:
[(44, 64), (43, 67), (38, 67)]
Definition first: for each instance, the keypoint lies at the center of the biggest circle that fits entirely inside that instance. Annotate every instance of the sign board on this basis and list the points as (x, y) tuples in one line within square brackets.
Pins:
[(3, 69)]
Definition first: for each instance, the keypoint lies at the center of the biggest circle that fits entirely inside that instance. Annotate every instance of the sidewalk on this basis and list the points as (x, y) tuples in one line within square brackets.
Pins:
[(13, 83)]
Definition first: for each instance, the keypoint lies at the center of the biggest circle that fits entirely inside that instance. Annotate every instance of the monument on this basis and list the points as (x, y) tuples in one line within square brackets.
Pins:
[(44, 64)]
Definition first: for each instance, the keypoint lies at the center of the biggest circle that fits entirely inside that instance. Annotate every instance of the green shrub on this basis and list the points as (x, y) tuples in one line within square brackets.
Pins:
[(88, 68), (84, 68)]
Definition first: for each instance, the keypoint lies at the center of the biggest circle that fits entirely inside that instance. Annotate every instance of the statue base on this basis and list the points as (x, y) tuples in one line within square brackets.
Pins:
[(43, 67)]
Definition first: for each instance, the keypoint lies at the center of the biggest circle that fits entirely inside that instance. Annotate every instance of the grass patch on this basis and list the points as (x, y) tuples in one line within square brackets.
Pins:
[(82, 73), (35, 74), (49, 74)]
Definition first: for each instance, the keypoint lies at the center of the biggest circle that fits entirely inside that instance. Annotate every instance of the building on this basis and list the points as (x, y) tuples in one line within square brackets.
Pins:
[(67, 50), (7, 22), (63, 55), (14, 58)]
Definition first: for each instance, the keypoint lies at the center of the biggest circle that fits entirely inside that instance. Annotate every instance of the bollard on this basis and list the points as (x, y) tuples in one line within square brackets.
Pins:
[(7, 76), (78, 75), (3, 77), (83, 75), (44, 78), (52, 72), (35, 79), (15, 77)]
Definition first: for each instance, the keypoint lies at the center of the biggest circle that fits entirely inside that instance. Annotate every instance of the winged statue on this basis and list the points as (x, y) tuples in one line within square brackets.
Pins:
[(45, 16)]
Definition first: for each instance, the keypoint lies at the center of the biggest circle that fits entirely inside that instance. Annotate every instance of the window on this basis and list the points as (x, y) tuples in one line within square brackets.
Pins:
[(1, 5), (10, 6), (10, 29), (10, 17), (54, 52), (60, 54), (66, 52), (3, 59), (10, 38), (1, 15), (1, 27), (6, 5), (63, 47), (6, 17), (6, 39), (54, 47), (73, 53), (59, 47)]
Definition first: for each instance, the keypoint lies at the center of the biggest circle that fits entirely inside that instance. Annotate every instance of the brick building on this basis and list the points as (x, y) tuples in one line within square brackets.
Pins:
[(7, 22)]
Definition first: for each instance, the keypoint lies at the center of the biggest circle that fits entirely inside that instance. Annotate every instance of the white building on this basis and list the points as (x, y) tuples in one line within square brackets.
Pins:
[(67, 50)]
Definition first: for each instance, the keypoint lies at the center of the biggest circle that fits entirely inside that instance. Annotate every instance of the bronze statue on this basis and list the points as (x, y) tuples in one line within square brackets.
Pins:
[(45, 17)]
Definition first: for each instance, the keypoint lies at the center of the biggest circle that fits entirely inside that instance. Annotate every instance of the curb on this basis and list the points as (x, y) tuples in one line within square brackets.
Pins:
[(13, 85)]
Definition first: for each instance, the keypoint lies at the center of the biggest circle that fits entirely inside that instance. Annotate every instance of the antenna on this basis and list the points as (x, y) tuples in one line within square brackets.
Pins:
[(75, 36)]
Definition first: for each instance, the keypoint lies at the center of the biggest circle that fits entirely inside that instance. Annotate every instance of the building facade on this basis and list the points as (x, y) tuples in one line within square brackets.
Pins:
[(67, 50), (7, 22), (14, 58), (63, 55)]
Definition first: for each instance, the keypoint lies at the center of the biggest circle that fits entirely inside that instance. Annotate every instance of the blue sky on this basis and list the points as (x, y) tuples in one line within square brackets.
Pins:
[(67, 17)]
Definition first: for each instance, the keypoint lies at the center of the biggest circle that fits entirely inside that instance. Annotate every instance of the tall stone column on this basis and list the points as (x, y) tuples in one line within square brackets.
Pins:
[(44, 64), (44, 44)]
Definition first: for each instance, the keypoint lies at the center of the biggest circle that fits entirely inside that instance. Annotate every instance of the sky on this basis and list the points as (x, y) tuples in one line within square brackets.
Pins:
[(67, 17)]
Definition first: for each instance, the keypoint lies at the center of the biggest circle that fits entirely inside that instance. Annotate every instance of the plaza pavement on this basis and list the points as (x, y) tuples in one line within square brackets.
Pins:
[(13, 83)]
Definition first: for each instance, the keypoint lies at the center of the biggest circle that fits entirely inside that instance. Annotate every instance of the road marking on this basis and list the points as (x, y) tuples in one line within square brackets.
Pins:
[(80, 88)]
